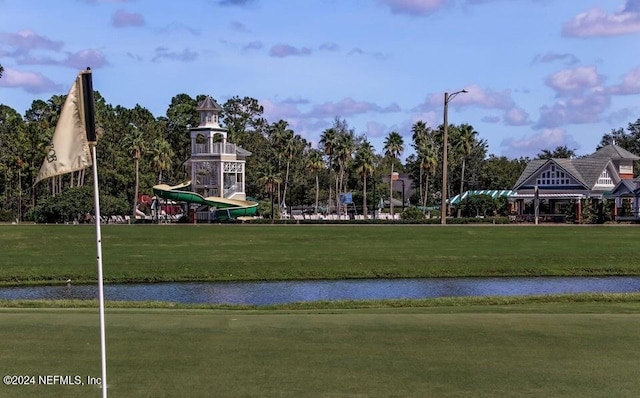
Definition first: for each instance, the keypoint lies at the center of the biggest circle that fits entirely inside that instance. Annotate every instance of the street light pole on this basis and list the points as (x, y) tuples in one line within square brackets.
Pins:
[(445, 165)]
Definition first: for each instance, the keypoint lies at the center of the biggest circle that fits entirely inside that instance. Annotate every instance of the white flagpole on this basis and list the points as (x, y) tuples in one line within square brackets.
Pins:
[(90, 128), (103, 344)]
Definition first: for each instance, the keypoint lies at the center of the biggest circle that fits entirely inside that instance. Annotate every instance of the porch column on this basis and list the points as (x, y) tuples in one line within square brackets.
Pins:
[(520, 207), (579, 211)]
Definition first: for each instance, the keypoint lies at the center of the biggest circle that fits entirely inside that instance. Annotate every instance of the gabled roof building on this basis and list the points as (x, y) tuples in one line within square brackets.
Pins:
[(559, 183)]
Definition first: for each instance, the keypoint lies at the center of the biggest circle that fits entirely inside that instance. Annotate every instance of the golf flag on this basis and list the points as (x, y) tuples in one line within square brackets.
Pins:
[(73, 148), (69, 149)]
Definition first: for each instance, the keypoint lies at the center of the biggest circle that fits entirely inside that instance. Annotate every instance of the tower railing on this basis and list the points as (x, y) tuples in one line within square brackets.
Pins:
[(230, 191), (217, 148)]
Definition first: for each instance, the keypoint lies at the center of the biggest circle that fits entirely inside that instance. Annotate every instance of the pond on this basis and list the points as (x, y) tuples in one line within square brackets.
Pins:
[(281, 292)]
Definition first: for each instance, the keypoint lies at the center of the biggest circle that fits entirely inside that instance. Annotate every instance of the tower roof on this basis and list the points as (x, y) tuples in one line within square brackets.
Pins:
[(209, 104)]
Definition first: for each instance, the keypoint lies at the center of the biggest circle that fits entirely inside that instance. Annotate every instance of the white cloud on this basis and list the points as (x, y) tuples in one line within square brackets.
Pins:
[(575, 80), (414, 7), (576, 110), (596, 22), (31, 82), (534, 144), (122, 19), (86, 58), (516, 117), (630, 83), (28, 39), (349, 107), (279, 110), (375, 129), (483, 98), (476, 95)]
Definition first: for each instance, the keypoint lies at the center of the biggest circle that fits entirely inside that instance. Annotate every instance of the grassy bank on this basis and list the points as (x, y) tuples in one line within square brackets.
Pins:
[(581, 302), (54, 253), (585, 349)]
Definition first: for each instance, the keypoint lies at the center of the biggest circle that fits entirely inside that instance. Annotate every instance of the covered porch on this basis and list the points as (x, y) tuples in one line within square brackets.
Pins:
[(546, 207), (626, 195)]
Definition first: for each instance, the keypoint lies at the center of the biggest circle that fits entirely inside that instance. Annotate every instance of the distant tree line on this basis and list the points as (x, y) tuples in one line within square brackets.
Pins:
[(137, 150)]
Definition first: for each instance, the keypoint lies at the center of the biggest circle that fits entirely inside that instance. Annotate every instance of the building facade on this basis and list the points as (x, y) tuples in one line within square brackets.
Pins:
[(555, 185)]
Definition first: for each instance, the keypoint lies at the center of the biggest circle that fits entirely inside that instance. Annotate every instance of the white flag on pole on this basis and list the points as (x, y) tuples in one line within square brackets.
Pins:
[(69, 150)]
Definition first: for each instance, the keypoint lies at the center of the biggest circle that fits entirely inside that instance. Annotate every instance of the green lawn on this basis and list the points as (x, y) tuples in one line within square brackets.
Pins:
[(54, 253), (570, 346), (523, 350)]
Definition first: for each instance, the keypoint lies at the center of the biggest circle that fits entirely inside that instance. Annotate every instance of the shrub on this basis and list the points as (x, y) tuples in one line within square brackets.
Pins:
[(6, 215), (412, 213)]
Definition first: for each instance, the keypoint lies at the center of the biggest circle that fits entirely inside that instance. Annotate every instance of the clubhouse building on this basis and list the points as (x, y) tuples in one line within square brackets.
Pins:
[(562, 185)]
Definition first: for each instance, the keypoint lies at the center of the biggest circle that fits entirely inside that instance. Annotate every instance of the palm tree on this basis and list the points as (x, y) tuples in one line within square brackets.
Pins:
[(267, 178), (285, 145), (427, 152), (430, 159), (137, 145), (393, 147), (364, 166), (345, 145), (466, 141), (420, 131), (328, 140), (162, 154), (315, 164)]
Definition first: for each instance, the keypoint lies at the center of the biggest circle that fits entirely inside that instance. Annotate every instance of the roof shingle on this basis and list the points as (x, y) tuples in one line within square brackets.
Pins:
[(613, 152)]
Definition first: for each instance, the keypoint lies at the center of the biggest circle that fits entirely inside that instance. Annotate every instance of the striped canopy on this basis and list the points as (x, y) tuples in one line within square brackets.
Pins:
[(494, 193)]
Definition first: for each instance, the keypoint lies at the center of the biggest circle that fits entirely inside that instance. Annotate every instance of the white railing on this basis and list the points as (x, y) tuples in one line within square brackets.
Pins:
[(217, 148), (229, 192), (201, 148)]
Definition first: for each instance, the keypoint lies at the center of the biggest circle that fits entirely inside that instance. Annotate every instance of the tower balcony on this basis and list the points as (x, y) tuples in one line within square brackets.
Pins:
[(217, 148)]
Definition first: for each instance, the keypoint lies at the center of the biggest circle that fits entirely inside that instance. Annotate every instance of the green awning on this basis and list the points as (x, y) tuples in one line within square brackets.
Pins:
[(494, 193)]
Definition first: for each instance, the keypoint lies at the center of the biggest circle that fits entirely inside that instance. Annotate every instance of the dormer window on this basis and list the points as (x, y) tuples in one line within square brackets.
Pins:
[(605, 178)]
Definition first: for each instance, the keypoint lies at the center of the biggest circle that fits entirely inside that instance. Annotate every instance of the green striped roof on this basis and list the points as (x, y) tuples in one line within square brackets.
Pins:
[(494, 193)]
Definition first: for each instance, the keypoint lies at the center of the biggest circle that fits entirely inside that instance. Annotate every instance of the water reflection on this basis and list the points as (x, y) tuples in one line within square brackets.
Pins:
[(267, 293)]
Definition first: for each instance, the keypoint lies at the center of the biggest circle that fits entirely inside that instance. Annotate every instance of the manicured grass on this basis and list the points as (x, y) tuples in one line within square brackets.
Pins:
[(137, 253), (569, 346), (563, 349)]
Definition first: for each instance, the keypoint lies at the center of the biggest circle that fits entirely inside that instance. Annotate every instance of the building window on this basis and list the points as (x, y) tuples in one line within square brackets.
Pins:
[(605, 178), (553, 176), (626, 169)]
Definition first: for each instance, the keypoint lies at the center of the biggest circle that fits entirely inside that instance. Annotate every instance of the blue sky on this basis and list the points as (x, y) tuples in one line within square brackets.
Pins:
[(540, 73)]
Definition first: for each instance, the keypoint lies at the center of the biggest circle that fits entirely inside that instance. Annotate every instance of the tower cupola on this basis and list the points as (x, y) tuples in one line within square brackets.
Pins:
[(209, 111)]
